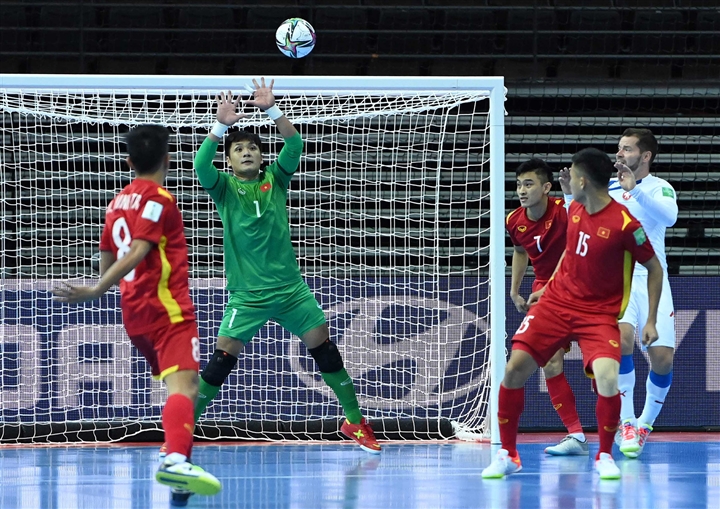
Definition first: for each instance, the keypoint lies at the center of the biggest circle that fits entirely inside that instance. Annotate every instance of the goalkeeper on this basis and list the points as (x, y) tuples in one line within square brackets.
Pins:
[(263, 276)]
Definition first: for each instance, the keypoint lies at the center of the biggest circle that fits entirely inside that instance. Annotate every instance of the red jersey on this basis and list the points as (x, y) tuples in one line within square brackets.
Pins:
[(544, 239), (602, 248), (156, 293)]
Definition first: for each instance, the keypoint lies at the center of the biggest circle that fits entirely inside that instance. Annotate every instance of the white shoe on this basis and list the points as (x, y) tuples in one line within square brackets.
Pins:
[(629, 444), (618, 434), (568, 446), (177, 472), (502, 465), (606, 467), (643, 432)]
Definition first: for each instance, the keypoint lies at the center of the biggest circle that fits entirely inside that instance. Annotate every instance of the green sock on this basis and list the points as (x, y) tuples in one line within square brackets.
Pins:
[(206, 393), (342, 385)]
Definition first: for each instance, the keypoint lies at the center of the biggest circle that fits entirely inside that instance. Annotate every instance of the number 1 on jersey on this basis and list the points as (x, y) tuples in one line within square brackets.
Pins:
[(257, 207)]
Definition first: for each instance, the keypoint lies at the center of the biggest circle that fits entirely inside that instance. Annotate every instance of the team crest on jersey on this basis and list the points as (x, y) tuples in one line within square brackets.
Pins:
[(522, 228), (576, 219), (265, 187), (626, 196), (603, 232), (548, 224)]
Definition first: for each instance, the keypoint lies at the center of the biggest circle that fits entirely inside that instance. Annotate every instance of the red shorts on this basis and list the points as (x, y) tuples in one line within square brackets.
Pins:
[(548, 327), (175, 347)]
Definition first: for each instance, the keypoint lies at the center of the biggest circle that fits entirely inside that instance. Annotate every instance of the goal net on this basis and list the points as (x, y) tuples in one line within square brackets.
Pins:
[(392, 216)]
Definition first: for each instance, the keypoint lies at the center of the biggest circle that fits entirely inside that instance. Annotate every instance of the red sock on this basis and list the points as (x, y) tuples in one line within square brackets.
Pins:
[(178, 419), (608, 414), (563, 401), (510, 406)]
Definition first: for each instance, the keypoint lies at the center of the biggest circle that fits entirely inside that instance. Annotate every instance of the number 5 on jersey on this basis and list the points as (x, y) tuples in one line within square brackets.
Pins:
[(525, 324)]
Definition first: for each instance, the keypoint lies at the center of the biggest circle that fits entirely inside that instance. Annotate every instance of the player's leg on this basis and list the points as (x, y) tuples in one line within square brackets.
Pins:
[(599, 340), (535, 342), (607, 411), (661, 354), (563, 401), (174, 359), (511, 401), (244, 315), (626, 378), (178, 423), (176, 470), (221, 364), (332, 369), (299, 312), (626, 436)]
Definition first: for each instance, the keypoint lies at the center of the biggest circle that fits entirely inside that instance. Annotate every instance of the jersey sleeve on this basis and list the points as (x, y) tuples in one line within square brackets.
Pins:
[(660, 203), (150, 220), (636, 242), (288, 160), (212, 180)]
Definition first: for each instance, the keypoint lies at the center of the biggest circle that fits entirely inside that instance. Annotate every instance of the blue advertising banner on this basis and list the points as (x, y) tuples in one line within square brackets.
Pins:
[(413, 346), (694, 398)]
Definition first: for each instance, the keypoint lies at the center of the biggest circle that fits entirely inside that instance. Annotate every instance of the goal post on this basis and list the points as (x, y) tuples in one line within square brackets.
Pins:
[(397, 218)]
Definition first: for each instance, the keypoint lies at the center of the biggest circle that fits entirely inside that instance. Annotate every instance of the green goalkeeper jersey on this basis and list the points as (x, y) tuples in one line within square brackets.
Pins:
[(256, 234)]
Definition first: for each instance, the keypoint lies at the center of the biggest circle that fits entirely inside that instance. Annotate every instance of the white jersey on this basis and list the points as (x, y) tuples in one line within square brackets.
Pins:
[(653, 202)]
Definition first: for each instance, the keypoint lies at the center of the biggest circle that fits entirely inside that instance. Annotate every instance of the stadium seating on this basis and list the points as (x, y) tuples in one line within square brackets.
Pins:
[(544, 48)]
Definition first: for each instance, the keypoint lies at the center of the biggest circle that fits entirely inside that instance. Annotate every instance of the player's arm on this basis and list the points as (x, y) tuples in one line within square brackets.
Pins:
[(226, 116), (654, 283), (119, 269), (264, 99), (660, 203), (564, 179), (289, 158), (107, 258), (519, 266)]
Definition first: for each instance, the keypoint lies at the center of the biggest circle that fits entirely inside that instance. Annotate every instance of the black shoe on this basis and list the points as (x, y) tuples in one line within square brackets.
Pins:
[(179, 497)]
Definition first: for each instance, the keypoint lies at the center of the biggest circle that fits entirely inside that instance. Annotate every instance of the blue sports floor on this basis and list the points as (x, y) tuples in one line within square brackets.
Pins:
[(672, 473)]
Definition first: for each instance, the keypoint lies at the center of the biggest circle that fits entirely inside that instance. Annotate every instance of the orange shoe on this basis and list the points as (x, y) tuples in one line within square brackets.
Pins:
[(163, 451), (363, 434)]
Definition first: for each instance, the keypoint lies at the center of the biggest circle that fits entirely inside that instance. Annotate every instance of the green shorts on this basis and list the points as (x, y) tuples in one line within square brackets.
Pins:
[(293, 307)]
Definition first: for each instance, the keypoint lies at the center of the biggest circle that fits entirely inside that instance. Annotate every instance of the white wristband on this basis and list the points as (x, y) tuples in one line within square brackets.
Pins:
[(219, 129), (274, 112)]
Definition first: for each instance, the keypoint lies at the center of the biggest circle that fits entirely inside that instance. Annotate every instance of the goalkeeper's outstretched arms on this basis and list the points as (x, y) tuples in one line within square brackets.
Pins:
[(263, 98), (228, 115)]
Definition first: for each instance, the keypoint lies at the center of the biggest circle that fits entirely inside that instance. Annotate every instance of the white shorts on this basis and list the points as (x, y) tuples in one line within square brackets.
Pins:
[(637, 311)]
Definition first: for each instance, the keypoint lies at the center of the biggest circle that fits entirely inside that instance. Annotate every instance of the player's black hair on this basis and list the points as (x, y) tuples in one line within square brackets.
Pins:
[(594, 164), (147, 147), (646, 140), (540, 167), (241, 135)]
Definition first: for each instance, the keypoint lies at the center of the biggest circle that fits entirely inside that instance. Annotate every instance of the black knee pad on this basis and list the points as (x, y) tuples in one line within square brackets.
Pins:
[(327, 357), (219, 367)]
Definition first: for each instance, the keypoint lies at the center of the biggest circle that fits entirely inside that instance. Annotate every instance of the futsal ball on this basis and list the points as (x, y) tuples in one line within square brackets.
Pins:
[(295, 38)]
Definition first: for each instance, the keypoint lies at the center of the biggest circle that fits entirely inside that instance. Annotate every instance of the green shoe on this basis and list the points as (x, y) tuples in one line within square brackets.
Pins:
[(188, 477)]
